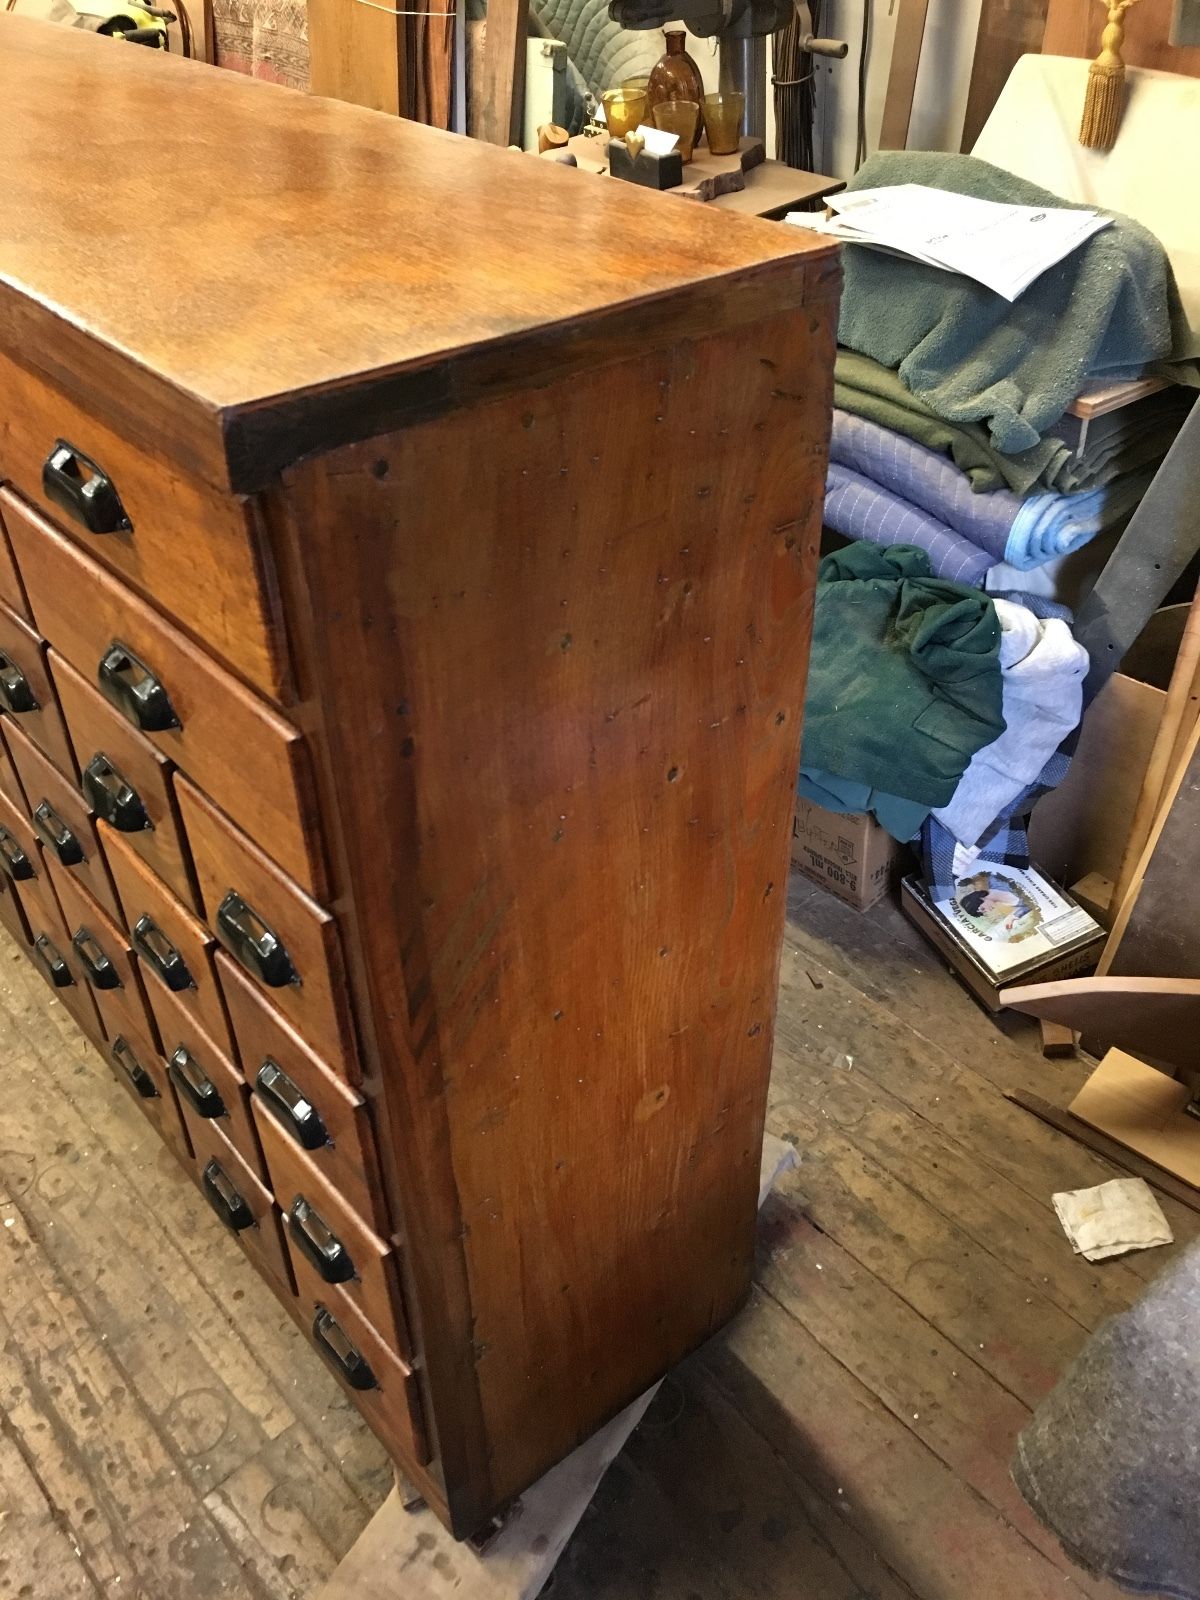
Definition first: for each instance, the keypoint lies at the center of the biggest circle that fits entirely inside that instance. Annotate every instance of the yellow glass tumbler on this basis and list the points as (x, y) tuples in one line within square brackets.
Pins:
[(678, 116), (623, 110), (723, 121)]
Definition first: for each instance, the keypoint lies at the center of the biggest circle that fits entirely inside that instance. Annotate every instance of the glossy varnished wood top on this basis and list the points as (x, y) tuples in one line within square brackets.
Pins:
[(284, 271)]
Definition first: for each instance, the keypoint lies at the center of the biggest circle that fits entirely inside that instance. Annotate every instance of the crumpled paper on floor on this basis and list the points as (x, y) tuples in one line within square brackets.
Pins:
[(1112, 1219)]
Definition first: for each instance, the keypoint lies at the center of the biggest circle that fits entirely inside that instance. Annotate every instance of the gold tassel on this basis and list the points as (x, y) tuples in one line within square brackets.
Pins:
[(1106, 83)]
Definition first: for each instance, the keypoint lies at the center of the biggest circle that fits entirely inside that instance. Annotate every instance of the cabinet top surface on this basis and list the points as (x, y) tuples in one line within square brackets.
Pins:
[(243, 246)]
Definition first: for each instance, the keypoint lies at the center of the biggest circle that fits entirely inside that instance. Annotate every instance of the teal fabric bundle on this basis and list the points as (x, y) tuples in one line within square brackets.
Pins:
[(904, 681), (1106, 312)]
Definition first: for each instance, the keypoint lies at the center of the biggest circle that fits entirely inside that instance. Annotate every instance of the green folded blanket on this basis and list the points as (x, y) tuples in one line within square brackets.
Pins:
[(1106, 312)]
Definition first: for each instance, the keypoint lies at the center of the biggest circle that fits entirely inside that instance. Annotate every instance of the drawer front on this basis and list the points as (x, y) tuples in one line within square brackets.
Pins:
[(27, 693), (233, 744), (142, 1073), (63, 821), (102, 956), (171, 943), (20, 853), (127, 781), (12, 915), (10, 784), (286, 942), (200, 554), (242, 1204), (335, 1241), (204, 1077), (383, 1388), (12, 591), (53, 956), (317, 1111)]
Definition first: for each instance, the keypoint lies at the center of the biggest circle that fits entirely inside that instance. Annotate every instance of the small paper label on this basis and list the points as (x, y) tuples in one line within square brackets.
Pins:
[(658, 141)]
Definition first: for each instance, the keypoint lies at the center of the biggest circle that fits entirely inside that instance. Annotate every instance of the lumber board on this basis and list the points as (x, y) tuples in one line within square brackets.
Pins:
[(1157, 1017), (501, 102), (1143, 1109), (518, 1561), (1058, 1042), (1008, 29), (1116, 1155), (359, 53), (902, 74)]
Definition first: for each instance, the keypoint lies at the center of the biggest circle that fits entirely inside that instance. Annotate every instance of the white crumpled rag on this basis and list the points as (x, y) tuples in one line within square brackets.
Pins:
[(1112, 1218)]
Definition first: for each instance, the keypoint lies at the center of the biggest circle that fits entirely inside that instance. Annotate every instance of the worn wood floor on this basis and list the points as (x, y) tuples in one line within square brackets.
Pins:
[(165, 1435)]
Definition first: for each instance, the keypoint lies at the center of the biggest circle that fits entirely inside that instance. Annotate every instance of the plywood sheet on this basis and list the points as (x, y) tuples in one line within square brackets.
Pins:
[(1143, 1110)]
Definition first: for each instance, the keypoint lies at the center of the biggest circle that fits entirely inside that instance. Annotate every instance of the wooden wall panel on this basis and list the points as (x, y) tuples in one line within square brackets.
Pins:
[(1073, 28)]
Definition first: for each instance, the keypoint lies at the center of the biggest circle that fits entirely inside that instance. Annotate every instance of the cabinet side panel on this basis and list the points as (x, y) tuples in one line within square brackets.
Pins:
[(561, 643)]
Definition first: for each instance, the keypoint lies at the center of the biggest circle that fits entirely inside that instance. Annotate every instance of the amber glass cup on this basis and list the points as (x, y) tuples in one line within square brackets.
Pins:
[(623, 110), (723, 121), (678, 116)]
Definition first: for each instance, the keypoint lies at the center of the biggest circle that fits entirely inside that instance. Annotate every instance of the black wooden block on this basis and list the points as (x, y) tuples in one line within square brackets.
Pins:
[(653, 172)]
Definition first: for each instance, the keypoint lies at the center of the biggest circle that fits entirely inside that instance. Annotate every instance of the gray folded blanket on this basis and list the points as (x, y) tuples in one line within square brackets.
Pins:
[(1106, 312), (1111, 1458)]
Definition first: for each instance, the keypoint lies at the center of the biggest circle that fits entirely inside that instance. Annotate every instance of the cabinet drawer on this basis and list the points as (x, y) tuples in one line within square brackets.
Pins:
[(286, 942), (199, 553), (12, 591), (27, 693), (101, 955), (126, 780), (12, 914), (242, 1204), (52, 955), (383, 1388), (315, 1109), (10, 784), (338, 1245), (171, 943), (204, 1077), (253, 763), (63, 821), (142, 1073)]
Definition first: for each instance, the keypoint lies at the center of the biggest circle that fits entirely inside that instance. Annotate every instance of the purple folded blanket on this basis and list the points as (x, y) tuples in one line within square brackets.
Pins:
[(860, 509)]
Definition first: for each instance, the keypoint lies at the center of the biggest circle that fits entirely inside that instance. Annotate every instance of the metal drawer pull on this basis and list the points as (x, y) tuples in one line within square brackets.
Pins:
[(99, 970), (123, 1057), (112, 798), (83, 490), (288, 1101), (224, 1198), (315, 1239), (56, 968), (345, 1358), (15, 694), (54, 833), (259, 949), (194, 1084), (129, 684), (14, 863), (152, 944)]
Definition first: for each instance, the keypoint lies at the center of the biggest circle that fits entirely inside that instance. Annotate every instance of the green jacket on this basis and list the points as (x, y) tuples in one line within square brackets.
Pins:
[(904, 681)]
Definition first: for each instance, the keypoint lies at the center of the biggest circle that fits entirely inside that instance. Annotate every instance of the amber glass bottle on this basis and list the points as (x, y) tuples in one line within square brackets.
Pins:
[(675, 76)]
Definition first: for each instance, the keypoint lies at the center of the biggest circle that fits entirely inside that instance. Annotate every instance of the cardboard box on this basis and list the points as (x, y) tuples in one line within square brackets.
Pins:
[(847, 853)]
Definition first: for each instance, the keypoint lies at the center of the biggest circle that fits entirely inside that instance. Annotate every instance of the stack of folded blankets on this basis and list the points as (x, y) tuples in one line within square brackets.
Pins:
[(949, 428)]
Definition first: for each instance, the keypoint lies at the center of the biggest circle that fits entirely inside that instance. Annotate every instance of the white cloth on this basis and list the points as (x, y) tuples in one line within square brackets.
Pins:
[(1042, 672), (1112, 1218)]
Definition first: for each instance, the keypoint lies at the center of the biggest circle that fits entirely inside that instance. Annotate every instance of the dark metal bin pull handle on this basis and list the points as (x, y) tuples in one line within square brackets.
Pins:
[(14, 863), (54, 833), (83, 490), (259, 949), (112, 798), (55, 967), (101, 973), (152, 944), (128, 683), (225, 1199), (194, 1084), (123, 1056), (291, 1105), (15, 692), (345, 1358), (315, 1239)]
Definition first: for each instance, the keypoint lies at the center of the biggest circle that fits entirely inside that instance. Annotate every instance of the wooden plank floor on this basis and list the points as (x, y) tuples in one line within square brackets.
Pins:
[(165, 1433)]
